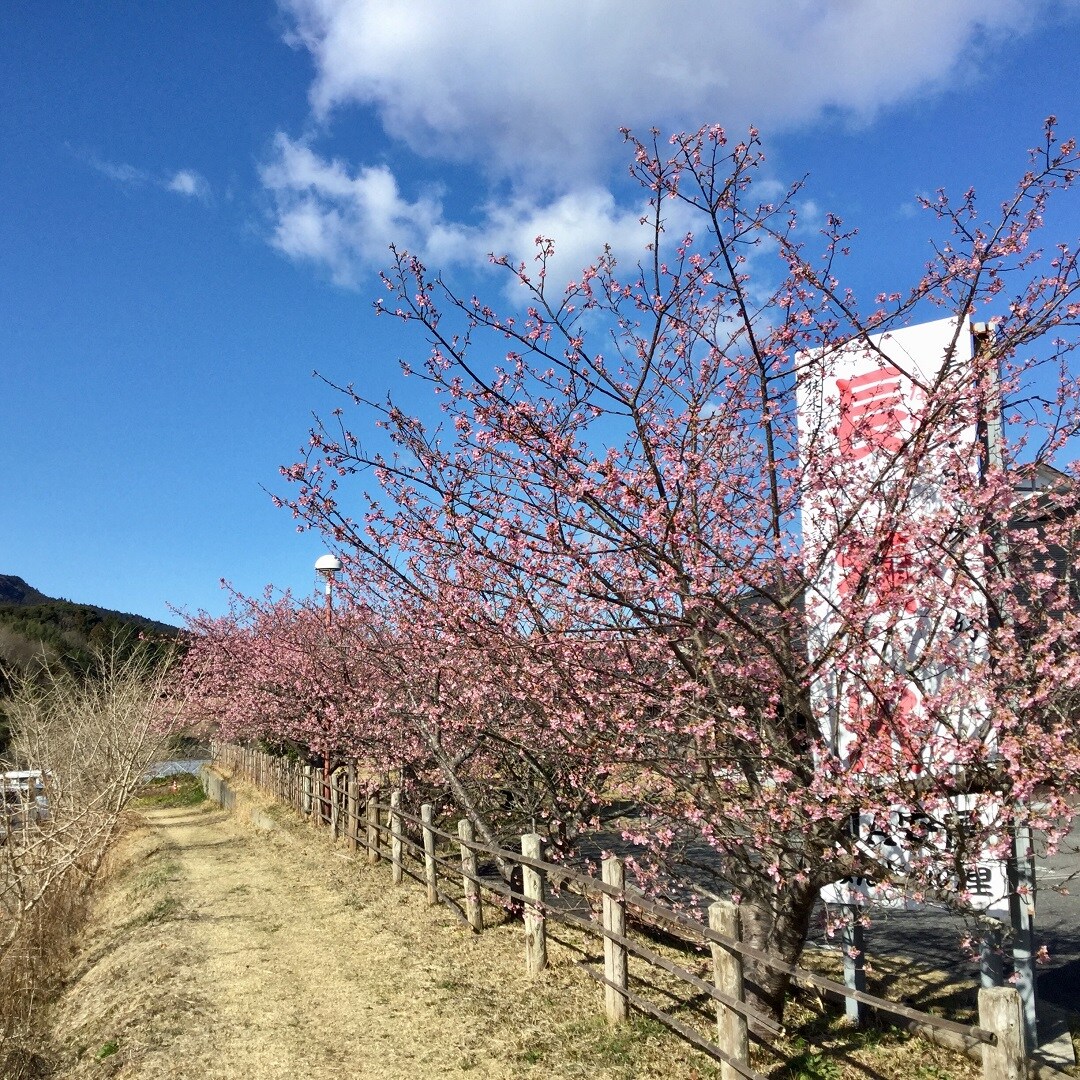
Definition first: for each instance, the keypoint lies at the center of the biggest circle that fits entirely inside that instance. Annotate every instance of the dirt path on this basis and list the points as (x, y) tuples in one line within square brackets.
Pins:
[(267, 966), (277, 995), (220, 951)]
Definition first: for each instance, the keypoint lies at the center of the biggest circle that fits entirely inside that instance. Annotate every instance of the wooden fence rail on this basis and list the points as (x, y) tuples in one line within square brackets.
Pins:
[(354, 811)]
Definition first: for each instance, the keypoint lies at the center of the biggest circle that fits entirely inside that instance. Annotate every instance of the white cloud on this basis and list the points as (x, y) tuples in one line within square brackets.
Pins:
[(121, 172), (327, 215), (580, 223), (534, 85), (190, 183), (344, 221), (531, 93), (185, 182)]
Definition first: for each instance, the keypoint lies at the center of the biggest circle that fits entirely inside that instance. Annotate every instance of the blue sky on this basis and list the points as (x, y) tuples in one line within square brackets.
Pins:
[(195, 200)]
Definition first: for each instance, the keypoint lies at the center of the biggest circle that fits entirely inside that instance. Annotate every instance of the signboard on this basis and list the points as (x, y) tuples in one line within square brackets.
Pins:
[(864, 512)]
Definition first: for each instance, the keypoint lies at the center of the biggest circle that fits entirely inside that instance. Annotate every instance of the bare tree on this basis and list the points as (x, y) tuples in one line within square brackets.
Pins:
[(92, 741)]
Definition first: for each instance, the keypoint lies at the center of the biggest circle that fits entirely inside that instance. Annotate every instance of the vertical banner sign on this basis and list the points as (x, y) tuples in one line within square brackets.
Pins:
[(877, 465)]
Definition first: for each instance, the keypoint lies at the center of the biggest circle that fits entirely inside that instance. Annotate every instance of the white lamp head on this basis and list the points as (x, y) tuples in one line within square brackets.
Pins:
[(326, 566)]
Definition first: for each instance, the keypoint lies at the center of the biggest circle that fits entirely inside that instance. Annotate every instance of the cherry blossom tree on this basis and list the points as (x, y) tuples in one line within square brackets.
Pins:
[(404, 688), (637, 571)]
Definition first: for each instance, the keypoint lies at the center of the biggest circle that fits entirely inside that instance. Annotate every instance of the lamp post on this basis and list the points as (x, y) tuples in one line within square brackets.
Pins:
[(327, 566)]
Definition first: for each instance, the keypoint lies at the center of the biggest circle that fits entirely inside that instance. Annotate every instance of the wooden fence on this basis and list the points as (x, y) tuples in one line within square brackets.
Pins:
[(416, 848)]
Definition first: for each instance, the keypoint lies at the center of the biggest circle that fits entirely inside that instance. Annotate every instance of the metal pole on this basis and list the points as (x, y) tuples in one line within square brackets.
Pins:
[(1021, 871), (991, 960), (853, 942), (328, 574)]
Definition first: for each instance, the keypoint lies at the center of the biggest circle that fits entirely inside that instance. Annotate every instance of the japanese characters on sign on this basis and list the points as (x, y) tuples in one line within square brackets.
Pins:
[(858, 406), (909, 834), (873, 412)]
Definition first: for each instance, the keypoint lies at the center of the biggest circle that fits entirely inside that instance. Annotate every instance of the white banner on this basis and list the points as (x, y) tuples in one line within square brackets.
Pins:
[(859, 407), (877, 495)]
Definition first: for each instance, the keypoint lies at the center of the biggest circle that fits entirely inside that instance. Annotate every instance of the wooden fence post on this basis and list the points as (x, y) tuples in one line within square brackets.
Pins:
[(1001, 1012), (395, 836), (614, 913), (335, 814), (533, 888), (474, 910), (374, 854), (306, 791), (728, 977), (427, 812), (352, 813)]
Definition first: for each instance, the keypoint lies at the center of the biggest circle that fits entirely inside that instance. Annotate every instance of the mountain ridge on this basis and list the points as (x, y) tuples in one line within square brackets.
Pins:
[(37, 629), (16, 592)]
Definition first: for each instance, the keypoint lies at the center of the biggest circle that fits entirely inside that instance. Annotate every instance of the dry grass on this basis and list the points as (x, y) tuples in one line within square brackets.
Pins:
[(409, 992), (818, 1041), (36, 953)]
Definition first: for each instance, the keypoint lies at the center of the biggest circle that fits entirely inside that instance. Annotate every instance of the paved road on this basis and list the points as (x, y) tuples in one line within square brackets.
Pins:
[(174, 768), (931, 936)]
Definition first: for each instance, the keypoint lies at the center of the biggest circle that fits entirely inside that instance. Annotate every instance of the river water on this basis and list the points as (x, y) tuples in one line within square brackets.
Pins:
[(171, 768)]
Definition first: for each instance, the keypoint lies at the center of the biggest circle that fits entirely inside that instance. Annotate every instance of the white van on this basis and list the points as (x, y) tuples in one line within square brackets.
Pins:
[(24, 798)]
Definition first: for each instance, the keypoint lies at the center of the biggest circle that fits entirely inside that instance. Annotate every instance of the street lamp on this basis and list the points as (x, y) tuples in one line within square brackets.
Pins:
[(326, 566)]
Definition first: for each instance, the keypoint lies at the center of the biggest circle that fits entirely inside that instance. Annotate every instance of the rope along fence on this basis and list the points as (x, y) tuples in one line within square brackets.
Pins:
[(448, 866)]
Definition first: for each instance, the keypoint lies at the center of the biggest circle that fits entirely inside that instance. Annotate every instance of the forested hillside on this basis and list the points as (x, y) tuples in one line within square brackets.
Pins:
[(36, 628)]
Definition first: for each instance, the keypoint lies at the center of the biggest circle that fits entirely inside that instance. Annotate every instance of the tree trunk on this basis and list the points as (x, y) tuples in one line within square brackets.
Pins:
[(779, 929)]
